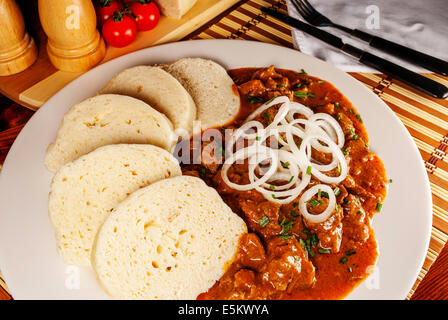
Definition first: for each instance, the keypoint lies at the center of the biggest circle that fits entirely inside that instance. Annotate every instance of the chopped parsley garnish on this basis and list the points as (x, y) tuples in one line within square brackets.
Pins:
[(308, 170), (390, 180), (270, 100), (337, 191), (308, 244), (263, 222), (272, 187), (379, 206), (294, 204), (307, 232), (343, 260), (365, 143), (290, 179), (266, 115), (313, 203), (285, 236), (286, 227), (298, 85), (311, 241), (202, 172), (324, 251), (351, 111), (314, 240), (300, 94), (293, 213), (346, 201), (319, 193), (303, 72), (337, 105), (257, 138), (253, 99), (350, 252), (336, 207), (354, 135), (311, 95), (311, 252), (358, 116), (285, 164), (273, 196), (345, 152), (339, 116), (320, 81), (281, 85)]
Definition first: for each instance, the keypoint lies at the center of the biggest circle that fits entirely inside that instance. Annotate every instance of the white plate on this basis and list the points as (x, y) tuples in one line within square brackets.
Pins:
[(28, 257)]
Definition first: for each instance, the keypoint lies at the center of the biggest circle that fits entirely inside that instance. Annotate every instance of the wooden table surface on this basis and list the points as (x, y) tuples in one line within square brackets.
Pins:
[(420, 114)]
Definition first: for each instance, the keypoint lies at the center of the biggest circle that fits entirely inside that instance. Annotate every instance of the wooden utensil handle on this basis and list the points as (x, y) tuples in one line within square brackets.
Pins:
[(431, 87), (416, 57)]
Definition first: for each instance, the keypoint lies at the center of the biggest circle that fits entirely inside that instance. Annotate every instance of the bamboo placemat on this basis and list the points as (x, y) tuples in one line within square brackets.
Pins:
[(425, 118)]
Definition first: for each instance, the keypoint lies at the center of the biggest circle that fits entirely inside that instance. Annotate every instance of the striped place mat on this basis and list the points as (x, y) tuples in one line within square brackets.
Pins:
[(425, 118), (3, 296)]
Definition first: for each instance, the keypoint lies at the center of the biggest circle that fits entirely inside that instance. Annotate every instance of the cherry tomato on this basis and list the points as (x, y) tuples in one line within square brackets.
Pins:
[(105, 10), (120, 31), (147, 15)]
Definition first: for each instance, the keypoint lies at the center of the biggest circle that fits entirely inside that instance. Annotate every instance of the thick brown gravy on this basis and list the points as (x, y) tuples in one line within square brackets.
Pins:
[(287, 258)]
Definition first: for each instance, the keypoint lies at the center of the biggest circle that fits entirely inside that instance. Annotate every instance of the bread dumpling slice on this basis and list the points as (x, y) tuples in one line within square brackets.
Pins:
[(160, 90), (175, 8), (212, 89), (171, 240), (84, 192), (107, 119)]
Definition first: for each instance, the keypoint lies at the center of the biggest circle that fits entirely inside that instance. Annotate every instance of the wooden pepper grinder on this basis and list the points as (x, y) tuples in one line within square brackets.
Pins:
[(17, 49), (74, 43)]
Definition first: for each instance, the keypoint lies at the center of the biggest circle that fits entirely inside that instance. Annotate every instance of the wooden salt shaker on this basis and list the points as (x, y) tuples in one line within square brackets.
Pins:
[(17, 49), (74, 43)]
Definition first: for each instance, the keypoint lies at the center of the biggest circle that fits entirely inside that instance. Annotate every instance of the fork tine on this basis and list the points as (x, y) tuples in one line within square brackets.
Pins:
[(311, 15), (309, 6), (300, 8), (294, 3)]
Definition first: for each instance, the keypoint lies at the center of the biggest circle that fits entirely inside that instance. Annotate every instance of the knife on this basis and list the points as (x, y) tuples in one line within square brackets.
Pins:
[(400, 73)]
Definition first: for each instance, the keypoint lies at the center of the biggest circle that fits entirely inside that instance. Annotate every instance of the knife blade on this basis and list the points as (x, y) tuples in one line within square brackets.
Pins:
[(415, 80)]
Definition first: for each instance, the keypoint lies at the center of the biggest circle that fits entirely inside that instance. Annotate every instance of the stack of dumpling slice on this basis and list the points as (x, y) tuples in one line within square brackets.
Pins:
[(118, 201)]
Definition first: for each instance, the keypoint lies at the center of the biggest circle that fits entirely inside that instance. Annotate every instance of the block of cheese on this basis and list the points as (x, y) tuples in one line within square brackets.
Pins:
[(84, 192), (107, 119), (171, 240), (175, 8), (160, 90), (212, 89)]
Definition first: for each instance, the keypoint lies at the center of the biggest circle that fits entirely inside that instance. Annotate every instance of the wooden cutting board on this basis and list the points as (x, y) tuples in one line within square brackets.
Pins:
[(34, 86)]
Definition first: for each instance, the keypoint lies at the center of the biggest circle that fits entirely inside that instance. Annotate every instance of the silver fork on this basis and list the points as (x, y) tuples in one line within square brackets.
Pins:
[(314, 17)]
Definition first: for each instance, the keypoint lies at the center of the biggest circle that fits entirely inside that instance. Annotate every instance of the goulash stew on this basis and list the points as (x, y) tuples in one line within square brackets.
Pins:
[(284, 256)]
